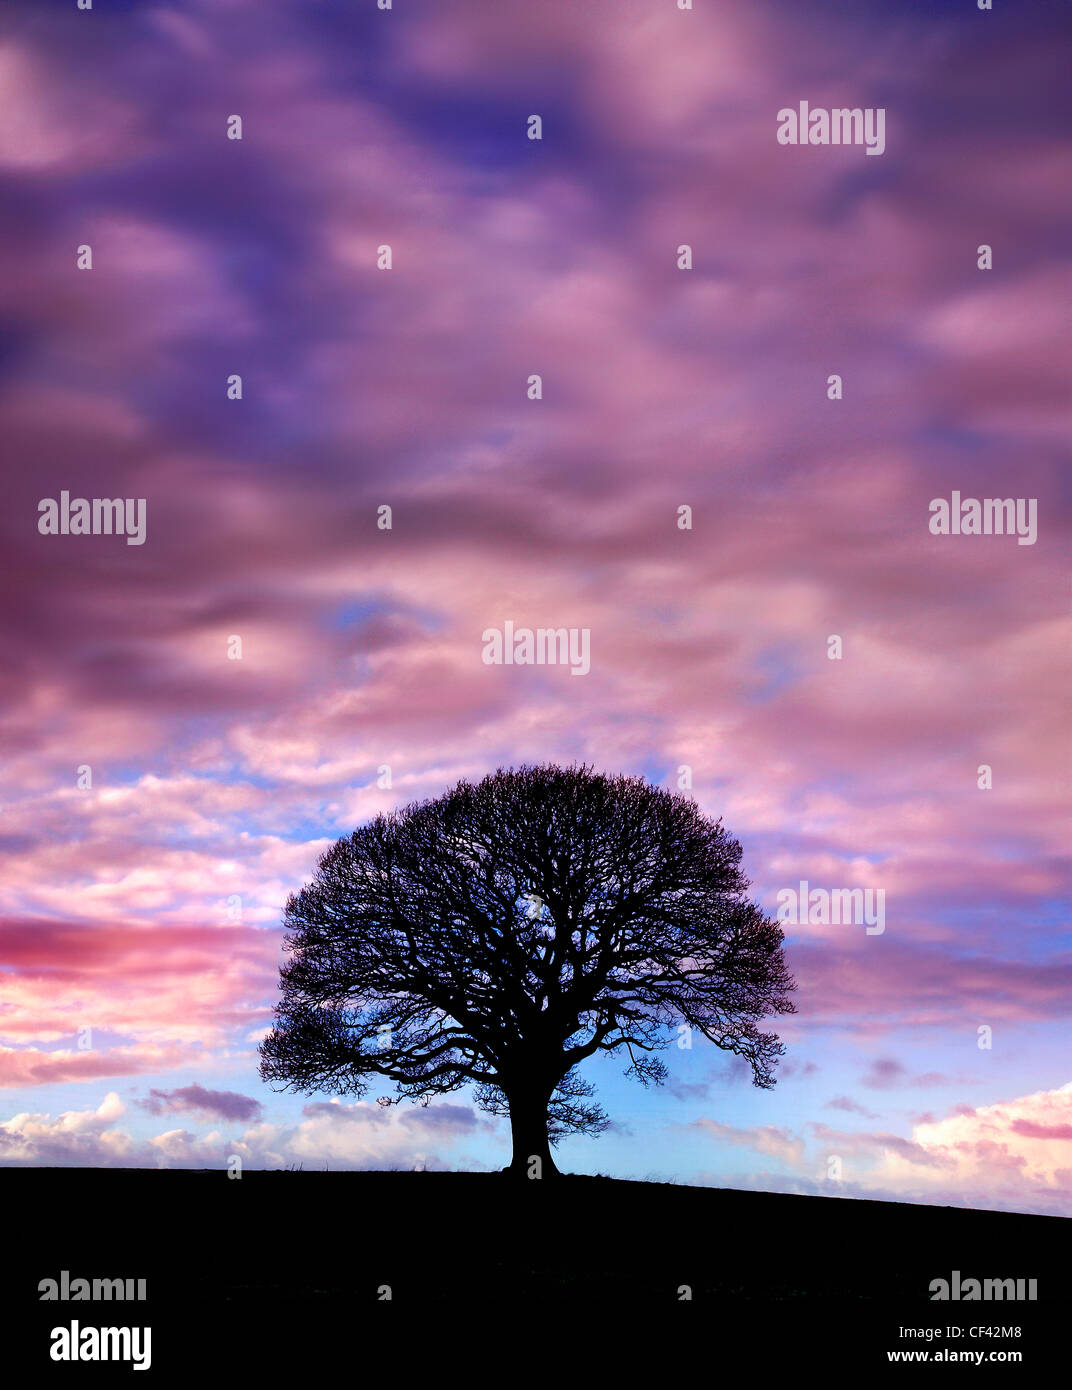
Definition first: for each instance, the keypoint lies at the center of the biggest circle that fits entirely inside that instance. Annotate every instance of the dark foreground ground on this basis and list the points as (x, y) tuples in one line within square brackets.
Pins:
[(351, 1270)]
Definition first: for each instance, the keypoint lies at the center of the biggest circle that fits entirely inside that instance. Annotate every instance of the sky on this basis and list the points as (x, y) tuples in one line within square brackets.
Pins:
[(160, 798)]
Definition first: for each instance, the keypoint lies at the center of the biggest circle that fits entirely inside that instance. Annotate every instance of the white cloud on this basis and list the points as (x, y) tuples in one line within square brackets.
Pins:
[(360, 1135), (1021, 1146)]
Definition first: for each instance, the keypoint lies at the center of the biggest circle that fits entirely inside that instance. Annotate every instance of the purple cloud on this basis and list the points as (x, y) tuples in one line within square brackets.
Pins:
[(221, 1105)]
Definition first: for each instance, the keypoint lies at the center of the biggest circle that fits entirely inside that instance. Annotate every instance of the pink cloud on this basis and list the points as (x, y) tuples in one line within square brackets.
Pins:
[(225, 1105), (215, 780), (333, 1133), (1018, 1150), (30, 1066), (764, 1139)]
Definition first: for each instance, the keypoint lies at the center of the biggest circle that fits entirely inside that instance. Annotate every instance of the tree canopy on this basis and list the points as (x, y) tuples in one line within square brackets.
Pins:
[(503, 933)]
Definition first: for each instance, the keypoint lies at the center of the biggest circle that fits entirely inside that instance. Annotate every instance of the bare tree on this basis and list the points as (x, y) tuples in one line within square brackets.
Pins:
[(503, 933)]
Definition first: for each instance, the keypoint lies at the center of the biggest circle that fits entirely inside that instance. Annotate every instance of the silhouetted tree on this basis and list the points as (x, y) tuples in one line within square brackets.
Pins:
[(500, 935)]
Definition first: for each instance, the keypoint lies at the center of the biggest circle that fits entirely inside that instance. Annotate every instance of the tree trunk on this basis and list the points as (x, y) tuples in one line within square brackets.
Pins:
[(528, 1130)]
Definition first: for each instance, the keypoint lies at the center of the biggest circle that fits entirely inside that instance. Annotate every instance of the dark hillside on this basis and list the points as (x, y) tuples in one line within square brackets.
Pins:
[(837, 1278)]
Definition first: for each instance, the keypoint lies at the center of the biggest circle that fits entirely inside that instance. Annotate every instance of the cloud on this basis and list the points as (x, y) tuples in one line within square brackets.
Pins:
[(852, 1107), (443, 1119), (224, 1105), (872, 1146), (886, 984), (732, 1071), (1023, 1144), (31, 1066), (790, 1067), (75, 1138), (1013, 1155), (886, 1074), (163, 985), (217, 782), (688, 1090), (1031, 1129), (331, 1133), (764, 1139), (883, 1073)]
